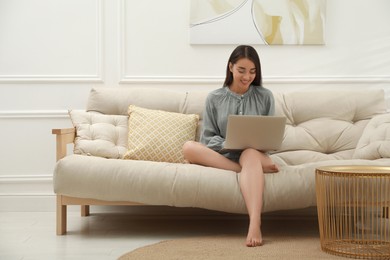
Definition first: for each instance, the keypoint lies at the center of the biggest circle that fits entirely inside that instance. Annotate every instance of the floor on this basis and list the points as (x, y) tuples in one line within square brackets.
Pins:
[(31, 235)]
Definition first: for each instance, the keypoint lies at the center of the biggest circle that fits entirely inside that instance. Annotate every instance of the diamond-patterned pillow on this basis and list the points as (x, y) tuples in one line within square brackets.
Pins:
[(156, 135)]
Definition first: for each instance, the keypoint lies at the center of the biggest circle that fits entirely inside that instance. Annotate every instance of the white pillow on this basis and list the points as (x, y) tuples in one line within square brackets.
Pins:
[(99, 135), (375, 140)]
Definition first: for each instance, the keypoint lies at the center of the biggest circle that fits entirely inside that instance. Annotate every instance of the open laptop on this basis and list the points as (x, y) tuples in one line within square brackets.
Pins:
[(264, 133)]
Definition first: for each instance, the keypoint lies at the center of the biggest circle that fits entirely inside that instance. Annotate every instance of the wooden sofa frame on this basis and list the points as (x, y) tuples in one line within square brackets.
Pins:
[(63, 138)]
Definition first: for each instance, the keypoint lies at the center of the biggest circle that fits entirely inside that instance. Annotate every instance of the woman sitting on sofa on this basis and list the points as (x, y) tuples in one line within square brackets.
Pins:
[(242, 94)]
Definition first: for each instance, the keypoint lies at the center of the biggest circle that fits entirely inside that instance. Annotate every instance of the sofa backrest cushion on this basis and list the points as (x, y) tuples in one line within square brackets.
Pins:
[(375, 140), (116, 101), (327, 121), (322, 121)]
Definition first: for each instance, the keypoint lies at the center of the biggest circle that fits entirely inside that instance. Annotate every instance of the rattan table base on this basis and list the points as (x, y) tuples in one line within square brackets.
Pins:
[(353, 210)]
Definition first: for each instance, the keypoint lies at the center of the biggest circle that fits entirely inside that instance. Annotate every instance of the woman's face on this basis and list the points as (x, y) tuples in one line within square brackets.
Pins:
[(244, 72)]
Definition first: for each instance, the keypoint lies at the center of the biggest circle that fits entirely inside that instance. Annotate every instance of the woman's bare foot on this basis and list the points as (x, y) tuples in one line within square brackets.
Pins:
[(254, 237), (268, 165), (270, 168)]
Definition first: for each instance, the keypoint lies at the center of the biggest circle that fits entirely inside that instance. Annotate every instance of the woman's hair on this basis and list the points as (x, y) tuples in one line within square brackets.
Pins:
[(244, 51)]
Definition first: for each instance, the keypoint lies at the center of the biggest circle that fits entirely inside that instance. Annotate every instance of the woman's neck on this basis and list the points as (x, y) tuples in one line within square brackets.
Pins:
[(238, 90)]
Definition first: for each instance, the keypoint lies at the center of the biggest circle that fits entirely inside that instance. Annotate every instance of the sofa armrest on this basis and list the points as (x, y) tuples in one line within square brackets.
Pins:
[(63, 137)]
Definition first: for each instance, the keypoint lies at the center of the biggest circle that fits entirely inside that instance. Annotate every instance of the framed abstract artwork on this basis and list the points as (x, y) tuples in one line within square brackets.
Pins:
[(269, 22)]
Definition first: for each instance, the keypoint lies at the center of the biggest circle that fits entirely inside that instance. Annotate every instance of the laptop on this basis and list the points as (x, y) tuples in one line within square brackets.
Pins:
[(263, 133)]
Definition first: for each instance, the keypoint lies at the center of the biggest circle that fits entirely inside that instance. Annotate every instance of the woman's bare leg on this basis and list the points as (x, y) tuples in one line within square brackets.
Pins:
[(198, 153), (253, 165), (252, 186)]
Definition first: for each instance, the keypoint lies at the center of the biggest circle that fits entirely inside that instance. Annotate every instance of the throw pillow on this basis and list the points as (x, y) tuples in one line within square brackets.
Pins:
[(156, 135), (375, 140), (99, 135)]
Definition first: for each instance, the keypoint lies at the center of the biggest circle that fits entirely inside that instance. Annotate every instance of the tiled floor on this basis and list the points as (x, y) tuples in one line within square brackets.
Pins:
[(31, 235)]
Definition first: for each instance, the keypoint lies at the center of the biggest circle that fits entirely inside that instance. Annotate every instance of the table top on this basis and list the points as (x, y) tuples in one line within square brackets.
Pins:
[(355, 169)]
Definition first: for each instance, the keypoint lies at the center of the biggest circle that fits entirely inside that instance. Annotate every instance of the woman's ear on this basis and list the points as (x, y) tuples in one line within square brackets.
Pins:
[(231, 67)]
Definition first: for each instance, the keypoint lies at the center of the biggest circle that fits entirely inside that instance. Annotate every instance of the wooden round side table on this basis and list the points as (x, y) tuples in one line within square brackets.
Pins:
[(353, 210)]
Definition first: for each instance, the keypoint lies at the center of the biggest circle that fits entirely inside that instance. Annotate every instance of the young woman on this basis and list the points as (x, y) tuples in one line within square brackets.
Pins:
[(241, 94)]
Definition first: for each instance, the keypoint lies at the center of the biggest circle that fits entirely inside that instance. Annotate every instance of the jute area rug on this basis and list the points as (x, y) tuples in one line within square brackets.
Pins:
[(282, 240)]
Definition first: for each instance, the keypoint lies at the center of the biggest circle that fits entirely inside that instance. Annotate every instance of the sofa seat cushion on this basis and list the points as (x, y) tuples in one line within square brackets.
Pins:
[(147, 182), (294, 187), (308, 156), (185, 185)]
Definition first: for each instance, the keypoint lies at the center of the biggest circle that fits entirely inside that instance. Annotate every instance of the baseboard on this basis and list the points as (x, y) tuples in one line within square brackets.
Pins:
[(26, 193), (27, 203)]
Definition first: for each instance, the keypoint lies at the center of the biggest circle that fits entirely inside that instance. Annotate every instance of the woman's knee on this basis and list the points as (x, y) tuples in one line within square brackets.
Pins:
[(189, 149), (250, 154)]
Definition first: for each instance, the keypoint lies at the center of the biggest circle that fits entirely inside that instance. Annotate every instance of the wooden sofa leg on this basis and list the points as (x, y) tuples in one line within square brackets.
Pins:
[(61, 216), (84, 210)]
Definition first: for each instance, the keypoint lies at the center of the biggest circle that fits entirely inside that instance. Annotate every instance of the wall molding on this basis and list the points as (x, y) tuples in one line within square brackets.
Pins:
[(10, 178), (26, 185), (52, 78), (122, 41), (97, 78), (345, 79), (33, 114)]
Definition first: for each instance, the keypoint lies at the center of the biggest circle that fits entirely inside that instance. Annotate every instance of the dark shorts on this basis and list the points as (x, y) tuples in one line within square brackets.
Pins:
[(234, 156)]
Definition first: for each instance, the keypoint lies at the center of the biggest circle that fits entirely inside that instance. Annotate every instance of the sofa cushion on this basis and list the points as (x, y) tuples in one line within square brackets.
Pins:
[(156, 135), (327, 121), (375, 140), (195, 102), (99, 135), (324, 121), (146, 182), (116, 100), (186, 185), (305, 156)]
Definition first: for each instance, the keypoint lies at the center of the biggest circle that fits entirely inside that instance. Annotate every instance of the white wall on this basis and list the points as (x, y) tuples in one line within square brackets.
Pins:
[(53, 52)]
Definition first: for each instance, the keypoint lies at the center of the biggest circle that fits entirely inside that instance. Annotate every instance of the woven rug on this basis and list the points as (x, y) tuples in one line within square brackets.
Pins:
[(282, 240)]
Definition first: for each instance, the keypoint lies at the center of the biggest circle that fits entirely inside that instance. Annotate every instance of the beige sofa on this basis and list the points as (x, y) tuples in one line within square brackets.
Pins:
[(323, 128)]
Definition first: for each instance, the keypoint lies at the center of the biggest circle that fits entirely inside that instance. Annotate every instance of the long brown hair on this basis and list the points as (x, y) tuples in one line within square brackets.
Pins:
[(244, 51)]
